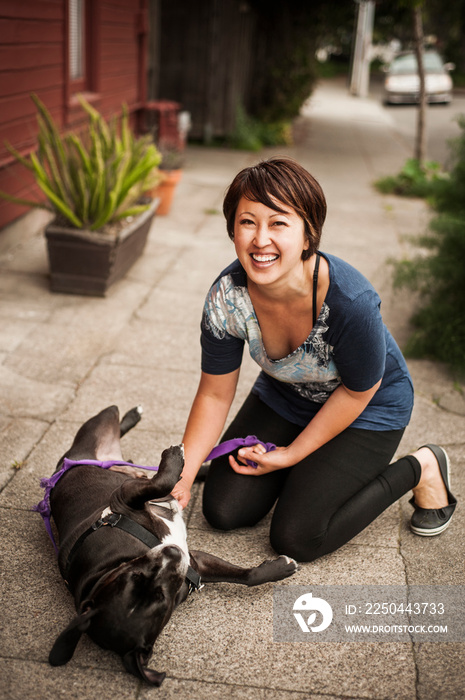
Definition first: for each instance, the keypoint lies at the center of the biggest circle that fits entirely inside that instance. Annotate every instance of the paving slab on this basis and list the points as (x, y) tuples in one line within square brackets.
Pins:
[(33, 257), (440, 671), (125, 385), (18, 436), (14, 331), (142, 344), (30, 398), (29, 679), (73, 357), (199, 690), (431, 424), (25, 297)]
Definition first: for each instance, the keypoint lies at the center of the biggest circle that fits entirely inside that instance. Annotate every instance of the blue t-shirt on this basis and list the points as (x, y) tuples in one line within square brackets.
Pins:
[(349, 344)]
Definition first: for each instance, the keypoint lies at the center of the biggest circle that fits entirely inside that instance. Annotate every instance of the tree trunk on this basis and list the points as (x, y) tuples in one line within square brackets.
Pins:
[(420, 140)]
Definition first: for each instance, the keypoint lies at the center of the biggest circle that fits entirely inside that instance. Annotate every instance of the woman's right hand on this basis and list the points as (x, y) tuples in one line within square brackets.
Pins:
[(182, 493)]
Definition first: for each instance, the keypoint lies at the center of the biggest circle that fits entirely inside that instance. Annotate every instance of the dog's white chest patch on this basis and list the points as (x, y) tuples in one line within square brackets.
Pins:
[(177, 527)]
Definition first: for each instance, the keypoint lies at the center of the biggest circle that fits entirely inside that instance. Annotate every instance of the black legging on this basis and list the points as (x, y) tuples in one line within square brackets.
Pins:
[(324, 500)]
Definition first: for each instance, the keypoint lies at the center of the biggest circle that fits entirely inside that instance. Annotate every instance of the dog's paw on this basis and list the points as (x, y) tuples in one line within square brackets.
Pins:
[(289, 566), (273, 570), (130, 419), (172, 461)]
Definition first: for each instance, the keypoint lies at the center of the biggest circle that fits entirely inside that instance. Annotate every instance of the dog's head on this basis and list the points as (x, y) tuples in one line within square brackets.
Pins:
[(127, 609)]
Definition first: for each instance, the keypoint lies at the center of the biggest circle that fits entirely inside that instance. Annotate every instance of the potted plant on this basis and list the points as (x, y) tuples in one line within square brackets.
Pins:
[(172, 160), (95, 184)]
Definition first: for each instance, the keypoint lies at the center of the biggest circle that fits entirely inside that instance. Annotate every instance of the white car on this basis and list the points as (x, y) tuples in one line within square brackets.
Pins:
[(402, 84)]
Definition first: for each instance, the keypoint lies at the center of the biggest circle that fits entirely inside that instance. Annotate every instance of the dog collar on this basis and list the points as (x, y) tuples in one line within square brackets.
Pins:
[(139, 531)]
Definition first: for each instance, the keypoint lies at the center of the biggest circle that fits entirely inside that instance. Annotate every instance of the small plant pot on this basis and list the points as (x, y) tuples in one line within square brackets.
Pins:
[(89, 262), (166, 189)]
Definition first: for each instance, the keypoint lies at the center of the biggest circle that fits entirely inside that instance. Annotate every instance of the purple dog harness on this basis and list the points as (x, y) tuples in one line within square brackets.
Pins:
[(48, 483)]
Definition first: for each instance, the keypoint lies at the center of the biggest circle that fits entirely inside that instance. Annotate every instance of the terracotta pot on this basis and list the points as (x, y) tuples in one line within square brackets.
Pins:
[(165, 190), (88, 262)]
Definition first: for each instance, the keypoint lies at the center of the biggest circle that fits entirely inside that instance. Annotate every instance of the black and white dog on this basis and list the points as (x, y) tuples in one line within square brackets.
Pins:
[(123, 550)]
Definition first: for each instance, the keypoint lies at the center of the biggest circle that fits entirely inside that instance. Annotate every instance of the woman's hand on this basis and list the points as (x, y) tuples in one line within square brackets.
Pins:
[(279, 458), (182, 493)]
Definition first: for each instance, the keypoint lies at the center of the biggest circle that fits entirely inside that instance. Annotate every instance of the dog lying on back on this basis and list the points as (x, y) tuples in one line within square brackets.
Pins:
[(123, 550)]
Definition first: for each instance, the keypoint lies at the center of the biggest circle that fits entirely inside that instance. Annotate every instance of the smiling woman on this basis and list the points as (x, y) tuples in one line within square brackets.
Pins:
[(334, 392)]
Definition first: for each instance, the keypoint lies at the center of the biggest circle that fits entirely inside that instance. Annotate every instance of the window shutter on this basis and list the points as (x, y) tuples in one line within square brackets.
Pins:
[(76, 39)]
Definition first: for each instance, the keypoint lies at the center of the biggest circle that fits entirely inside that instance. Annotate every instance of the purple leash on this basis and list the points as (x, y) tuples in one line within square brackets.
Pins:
[(228, 446), (48, 483)]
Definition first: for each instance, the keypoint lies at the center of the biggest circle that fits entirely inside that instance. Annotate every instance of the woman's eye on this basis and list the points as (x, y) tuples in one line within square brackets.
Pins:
[(245, 222), (279, 223)]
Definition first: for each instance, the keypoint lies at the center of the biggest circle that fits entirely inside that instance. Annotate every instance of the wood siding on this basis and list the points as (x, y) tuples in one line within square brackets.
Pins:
[(33, 58), (205, 60)]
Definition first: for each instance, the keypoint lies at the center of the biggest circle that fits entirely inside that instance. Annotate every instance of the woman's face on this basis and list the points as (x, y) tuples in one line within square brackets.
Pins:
[(268, 243)]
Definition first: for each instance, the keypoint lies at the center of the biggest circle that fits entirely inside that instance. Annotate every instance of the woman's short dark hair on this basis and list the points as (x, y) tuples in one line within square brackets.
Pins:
[(280, 180)]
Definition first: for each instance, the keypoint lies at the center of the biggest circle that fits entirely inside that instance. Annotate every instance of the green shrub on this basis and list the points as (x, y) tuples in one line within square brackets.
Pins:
[(93, 179), (251, 134), (414, 180), (245, 136), (440, 275)]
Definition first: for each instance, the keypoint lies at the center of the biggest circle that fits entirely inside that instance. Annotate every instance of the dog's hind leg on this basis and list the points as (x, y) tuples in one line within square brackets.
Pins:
[(130, 419), (97, 438)]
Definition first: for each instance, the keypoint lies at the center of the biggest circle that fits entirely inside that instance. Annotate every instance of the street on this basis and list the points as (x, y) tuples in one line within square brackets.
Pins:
[(441, 122)]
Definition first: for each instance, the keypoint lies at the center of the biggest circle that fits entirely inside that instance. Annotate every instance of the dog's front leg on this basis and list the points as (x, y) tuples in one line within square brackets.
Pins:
[(214, 570), (135, 492)]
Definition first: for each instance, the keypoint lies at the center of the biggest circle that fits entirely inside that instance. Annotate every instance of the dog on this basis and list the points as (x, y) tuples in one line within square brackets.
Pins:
[(123, 550)]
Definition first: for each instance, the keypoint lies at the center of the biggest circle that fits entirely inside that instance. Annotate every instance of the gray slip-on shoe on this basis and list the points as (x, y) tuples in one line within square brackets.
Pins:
[(428, 522)]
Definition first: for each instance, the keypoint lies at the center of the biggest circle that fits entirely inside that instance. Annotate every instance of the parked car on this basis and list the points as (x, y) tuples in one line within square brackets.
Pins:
[(402, 84)]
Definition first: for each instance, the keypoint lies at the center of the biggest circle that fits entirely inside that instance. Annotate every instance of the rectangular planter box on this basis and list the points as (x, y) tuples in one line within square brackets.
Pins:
[(88, 263)]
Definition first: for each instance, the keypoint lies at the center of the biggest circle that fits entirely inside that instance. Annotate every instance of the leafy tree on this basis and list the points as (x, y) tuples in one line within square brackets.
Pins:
[(446, 21), (287, 35)]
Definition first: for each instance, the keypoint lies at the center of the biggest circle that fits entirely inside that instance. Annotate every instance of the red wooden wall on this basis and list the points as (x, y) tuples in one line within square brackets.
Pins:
[(34, 58)]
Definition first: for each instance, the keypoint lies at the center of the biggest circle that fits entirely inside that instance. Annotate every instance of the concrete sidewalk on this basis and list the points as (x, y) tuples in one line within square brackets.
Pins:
[(64, 358)]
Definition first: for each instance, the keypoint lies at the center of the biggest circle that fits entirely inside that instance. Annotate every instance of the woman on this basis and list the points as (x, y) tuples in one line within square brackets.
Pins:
[(334, 393)]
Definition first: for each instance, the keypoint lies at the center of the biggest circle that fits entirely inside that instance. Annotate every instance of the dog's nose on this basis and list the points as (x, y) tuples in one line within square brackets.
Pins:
[(172, 551)]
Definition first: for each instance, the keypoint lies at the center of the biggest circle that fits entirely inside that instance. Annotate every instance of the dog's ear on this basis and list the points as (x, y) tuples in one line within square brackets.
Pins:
[(66, 643), (135, 662)]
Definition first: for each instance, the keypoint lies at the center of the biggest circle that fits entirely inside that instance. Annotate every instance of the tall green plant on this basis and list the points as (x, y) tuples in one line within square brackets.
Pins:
[(440, 276), (94, 178)]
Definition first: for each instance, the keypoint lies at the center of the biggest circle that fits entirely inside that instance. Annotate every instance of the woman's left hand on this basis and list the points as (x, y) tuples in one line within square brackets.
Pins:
[(266, 461)]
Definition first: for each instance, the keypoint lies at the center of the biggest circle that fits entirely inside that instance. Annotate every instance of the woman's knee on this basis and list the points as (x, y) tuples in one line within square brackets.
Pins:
[(226, 516), (293, 543), (223, 514), (219, 518)]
